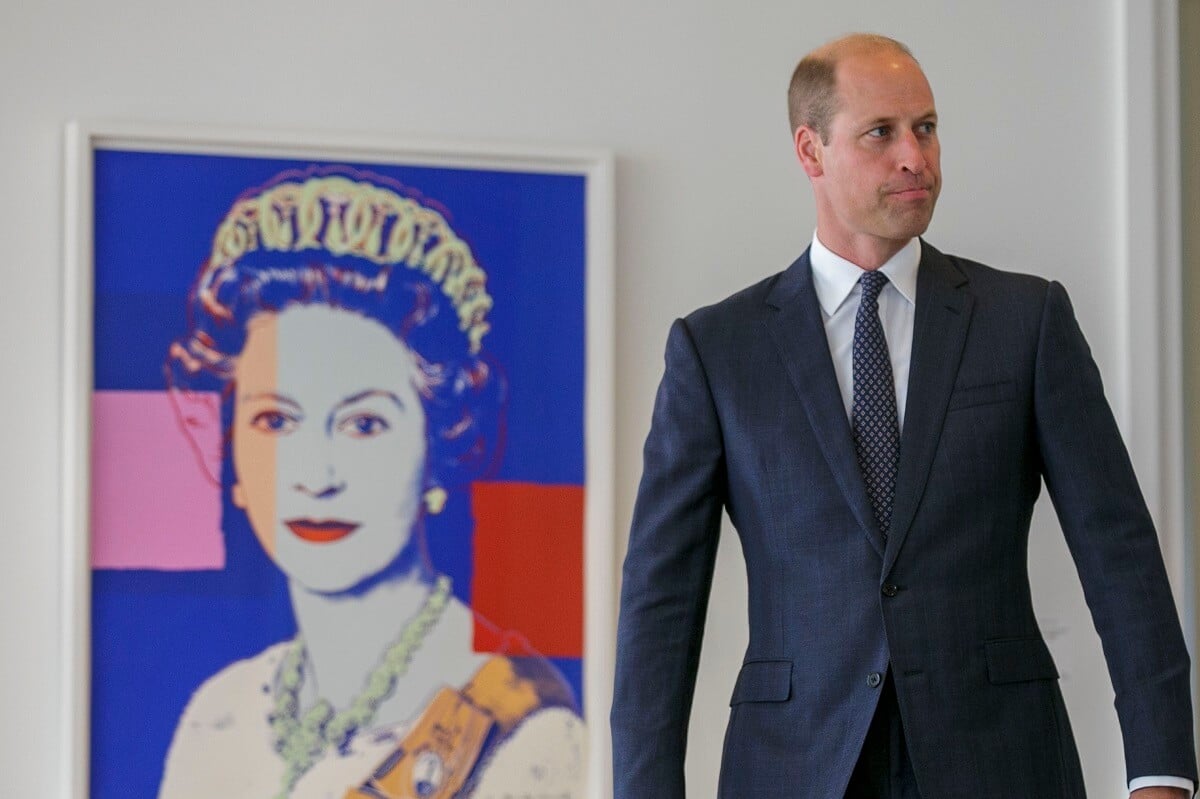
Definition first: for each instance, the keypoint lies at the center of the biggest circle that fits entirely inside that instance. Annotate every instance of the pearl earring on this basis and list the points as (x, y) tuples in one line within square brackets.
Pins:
[(435, 500)]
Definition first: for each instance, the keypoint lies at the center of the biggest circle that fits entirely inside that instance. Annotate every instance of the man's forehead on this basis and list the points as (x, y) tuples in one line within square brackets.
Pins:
[(886, 66), (883, 84)]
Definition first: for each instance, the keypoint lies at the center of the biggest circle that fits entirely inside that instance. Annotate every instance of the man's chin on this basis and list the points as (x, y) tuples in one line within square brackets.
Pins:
[(913, 224)]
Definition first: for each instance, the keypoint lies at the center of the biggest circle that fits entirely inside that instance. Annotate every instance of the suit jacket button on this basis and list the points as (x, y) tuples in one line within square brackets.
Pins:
[(873, 679), (890, 589)]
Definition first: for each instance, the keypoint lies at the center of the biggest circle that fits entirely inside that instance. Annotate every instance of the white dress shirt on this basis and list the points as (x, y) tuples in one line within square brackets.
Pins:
[(838, 292)]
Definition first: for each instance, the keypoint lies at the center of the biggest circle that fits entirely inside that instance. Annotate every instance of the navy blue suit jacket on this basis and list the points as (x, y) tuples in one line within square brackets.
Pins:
[(1003, 394)]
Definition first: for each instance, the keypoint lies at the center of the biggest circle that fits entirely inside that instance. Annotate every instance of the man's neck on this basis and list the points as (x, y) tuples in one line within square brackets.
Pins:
[(867, 253)]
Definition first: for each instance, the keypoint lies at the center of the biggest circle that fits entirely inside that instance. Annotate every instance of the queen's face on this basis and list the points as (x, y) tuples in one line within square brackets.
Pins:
[(328, 444)]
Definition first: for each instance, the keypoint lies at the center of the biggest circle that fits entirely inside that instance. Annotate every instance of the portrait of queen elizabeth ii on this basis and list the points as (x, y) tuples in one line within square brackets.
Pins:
[(337, 333)]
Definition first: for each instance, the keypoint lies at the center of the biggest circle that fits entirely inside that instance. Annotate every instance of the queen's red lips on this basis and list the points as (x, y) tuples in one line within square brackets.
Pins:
[(324, 531)]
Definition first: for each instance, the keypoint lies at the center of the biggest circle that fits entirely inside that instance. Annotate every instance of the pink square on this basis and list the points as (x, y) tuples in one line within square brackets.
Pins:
[(153, 504)]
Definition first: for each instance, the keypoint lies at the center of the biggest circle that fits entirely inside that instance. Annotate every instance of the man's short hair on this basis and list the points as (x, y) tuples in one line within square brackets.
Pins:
[(812, 93)]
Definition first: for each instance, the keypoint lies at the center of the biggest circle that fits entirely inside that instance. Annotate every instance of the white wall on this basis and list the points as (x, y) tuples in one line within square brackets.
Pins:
[(689, 96), (1189, 79)]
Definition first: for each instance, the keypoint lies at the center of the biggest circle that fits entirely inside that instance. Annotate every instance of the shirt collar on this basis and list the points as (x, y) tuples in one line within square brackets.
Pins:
[(834, 277)]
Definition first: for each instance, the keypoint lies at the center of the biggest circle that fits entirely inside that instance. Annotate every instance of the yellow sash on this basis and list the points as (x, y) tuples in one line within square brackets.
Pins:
[(456, 731)]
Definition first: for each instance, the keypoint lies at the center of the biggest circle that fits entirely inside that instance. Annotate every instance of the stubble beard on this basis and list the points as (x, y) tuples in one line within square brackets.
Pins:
[(910, 219)]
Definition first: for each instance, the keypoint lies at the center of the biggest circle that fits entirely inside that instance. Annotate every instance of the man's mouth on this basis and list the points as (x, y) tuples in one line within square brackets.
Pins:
[(912, 193), (320, 532)]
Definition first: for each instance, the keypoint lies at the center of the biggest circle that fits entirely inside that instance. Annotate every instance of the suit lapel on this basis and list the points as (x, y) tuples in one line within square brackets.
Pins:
[(943, 314), (798, 330)]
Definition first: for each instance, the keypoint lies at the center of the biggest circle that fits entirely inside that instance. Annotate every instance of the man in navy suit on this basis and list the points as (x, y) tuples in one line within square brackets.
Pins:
[(878, 420)]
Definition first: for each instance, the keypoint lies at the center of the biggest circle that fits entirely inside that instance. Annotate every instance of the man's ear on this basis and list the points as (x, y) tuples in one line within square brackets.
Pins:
[(810, 151)]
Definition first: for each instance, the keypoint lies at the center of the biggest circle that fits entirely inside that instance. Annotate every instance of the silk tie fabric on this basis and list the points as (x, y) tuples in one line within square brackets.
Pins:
[(873, 416)]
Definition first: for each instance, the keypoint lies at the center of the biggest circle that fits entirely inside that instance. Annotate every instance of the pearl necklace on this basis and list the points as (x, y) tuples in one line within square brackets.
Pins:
[(301, 741)]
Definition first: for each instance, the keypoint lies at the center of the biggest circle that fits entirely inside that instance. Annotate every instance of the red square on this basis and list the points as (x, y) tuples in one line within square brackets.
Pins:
[(528, 566)]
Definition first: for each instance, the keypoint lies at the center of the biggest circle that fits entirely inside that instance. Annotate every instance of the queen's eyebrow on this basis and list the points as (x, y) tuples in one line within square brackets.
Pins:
[(270, 395), (359, 397), (371, 392)]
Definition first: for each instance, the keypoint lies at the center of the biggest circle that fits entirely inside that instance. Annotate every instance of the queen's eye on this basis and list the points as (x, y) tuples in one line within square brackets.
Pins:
[(363, 425), (275, 422)]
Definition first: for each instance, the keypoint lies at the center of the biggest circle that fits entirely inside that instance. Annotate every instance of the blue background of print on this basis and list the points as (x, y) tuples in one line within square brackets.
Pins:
[(158, 635)]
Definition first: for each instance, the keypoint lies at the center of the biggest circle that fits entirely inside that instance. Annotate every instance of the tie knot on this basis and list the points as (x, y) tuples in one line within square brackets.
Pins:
[(872, 283)]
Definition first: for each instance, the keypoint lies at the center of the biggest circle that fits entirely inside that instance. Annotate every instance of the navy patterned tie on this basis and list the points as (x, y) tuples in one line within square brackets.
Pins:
[(874, 419)]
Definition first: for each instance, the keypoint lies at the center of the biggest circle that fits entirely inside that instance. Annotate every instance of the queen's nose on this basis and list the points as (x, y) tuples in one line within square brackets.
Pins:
[(329, 490), (318, 476)]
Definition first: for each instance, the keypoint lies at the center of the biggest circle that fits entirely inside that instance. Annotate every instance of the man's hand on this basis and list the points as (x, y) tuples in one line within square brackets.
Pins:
[(1159, 792)]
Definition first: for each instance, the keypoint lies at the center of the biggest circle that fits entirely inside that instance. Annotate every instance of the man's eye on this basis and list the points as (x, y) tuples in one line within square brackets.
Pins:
[(879, 132), (928, 128), (275, 422), (363, 425)]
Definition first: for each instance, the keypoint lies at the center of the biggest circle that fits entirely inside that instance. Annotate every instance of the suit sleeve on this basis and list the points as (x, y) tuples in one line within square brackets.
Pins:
[(1115, 548), (667, 577)]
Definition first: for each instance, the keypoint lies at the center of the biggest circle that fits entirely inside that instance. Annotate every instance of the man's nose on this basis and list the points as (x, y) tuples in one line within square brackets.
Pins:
[(911, 155)]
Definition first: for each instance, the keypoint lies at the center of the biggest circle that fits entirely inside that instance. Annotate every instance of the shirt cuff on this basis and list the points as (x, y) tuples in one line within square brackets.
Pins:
[(1162, 782)]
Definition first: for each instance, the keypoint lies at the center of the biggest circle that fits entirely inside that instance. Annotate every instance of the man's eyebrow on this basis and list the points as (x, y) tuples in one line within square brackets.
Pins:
[(882, 120)]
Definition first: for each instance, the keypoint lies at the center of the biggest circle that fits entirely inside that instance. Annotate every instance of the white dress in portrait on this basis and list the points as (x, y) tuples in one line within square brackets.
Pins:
[(224, 745)]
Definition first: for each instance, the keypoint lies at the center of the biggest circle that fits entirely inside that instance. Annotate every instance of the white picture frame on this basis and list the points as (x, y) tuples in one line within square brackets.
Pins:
[(594, 167)]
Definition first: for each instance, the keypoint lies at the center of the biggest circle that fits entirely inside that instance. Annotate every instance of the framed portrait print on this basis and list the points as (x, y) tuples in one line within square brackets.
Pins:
[(337, 453)]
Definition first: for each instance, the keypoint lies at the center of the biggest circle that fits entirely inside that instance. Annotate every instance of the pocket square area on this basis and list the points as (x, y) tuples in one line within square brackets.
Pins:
[(983, 394)]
